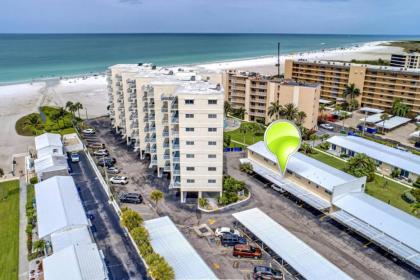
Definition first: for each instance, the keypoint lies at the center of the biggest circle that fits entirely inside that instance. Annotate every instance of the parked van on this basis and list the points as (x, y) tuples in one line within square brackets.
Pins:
[(232, 239), (246, 251)]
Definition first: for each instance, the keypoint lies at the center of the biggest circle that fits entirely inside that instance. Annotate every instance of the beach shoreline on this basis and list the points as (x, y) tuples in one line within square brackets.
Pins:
[(19, 99)]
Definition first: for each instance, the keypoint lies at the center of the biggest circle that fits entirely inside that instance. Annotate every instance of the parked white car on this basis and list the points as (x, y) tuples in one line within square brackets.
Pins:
[(222, 230), (120, 180), (75, 157), (327, 126), (101, 152), (113, 170), (89, 131)]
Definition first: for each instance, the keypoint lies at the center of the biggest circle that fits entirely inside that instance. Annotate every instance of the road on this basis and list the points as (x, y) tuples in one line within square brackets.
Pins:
[(121, 257)]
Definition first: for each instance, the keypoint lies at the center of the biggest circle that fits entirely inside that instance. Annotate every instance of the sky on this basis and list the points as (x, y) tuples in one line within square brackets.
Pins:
[(400, 17)]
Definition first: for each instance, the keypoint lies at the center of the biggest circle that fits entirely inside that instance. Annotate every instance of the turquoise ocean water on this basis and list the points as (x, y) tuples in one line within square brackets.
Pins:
[(24, 57)]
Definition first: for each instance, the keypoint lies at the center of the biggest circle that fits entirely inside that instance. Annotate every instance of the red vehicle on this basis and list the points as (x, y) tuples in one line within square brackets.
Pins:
[(246, 251)]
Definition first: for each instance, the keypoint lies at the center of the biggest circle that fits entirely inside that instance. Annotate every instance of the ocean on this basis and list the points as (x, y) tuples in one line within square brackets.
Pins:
[(25, 57)]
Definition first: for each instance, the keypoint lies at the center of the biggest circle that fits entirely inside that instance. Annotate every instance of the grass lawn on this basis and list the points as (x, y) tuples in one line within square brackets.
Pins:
[(37, 124), (9, 230), (250, 138), (381, 188)]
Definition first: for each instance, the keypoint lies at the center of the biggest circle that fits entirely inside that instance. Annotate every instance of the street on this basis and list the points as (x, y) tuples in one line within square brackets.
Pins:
[(121, 257)]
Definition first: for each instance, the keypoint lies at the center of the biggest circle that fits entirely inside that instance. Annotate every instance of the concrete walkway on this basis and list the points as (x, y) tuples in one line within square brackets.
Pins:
[(23, 259)]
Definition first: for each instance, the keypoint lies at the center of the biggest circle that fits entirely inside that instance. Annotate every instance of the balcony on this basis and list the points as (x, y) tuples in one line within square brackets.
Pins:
[(167, 168), (134, 125), (152, 129), (176, 172), (153, 149), (175, 119), (166, 145), (175, 159), (166, 156), (164, 109), (165, 134), (174, 133), (175, 146)]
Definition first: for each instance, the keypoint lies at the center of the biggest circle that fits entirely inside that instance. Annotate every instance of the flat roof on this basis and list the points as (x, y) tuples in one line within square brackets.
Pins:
[(299, 192), (388, 219), (394, 157), (317, 172), (58, 205), (73, 236), (372, 118), (325, 101), (76, 262), (50, 163), (393, 122), (47, 139), (169, 242), (305, 260), (371, 110)]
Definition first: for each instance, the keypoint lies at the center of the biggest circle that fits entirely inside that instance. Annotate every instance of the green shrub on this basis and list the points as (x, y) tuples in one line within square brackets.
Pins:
[(203, 202), (324, 146), (33, 180), (395, 173), (29, 229), (417, 183), (416, 194)]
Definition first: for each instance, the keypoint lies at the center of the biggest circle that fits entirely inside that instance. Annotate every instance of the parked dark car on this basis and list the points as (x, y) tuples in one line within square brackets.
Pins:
[(110, 159), (229, 239), (105, 162), (96, 145), (134, 198), (246, 251), (265, 272)]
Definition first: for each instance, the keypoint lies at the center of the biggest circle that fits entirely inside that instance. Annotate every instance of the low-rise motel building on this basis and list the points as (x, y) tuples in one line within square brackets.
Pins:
[(341, 196), (406, 60), (387, 158), (379, 85), (174, 118), (255, 92)]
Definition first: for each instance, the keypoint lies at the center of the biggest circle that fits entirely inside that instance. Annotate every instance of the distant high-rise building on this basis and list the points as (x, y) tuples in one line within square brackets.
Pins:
[(379, 85), (175, 116), (255, 93), (409, 60)]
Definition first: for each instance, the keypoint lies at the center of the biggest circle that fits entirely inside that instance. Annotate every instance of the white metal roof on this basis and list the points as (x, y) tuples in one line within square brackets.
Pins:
[(76, 262), (73, 236), (58, 205), (388, 219), (372, 118), (317, 172), (325, 101), (47, 139), (394, 157), (371, 110), (305, 260), (393, 122), (50, 163), (169, 242), (299, 192)]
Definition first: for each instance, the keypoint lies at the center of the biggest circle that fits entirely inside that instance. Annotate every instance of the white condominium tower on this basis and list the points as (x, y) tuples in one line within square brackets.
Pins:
[(175, 117)]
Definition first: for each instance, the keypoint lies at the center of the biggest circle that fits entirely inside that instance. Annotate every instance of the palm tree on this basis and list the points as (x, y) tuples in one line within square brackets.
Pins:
[(227, 108), (69, 104), (246, 168), (240, 112), (290, 112), (78, 106), (361, 165), (156, 196), (399, 108), (39, 245), (313, 138), (33, 120), (61, 114), (384, 118), (255, 129), (306, 148), (343, 116), (351, 91), (300, 118), (275, 110), (244, 129)]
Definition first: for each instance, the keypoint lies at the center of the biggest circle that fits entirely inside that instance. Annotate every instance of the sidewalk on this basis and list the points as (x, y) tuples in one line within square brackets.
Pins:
[(23, 259)]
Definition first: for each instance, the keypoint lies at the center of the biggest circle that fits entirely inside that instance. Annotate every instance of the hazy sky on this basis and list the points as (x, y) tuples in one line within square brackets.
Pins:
[(271, 16)]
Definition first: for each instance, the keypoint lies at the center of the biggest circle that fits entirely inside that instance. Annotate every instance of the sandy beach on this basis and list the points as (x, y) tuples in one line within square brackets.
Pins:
[(21, 99)]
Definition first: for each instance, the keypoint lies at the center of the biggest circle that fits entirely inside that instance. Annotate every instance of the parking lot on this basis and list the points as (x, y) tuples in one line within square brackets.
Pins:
[(121, 257), (349, 252)]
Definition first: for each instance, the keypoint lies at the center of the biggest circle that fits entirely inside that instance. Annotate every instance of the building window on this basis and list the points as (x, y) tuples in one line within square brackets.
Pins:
[(212, 143), (190, 143), (212, 156), (212, 129), (190, 168), (189, 101), (190, 181), (212, 169), (190, 155), (212, 102), (211, 181), (189, 129), (189, 116), (212, 116)]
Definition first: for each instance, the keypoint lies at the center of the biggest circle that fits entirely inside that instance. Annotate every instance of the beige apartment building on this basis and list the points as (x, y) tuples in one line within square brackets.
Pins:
[(174, 117), (255, 93), (379, 85), (406, 60)]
